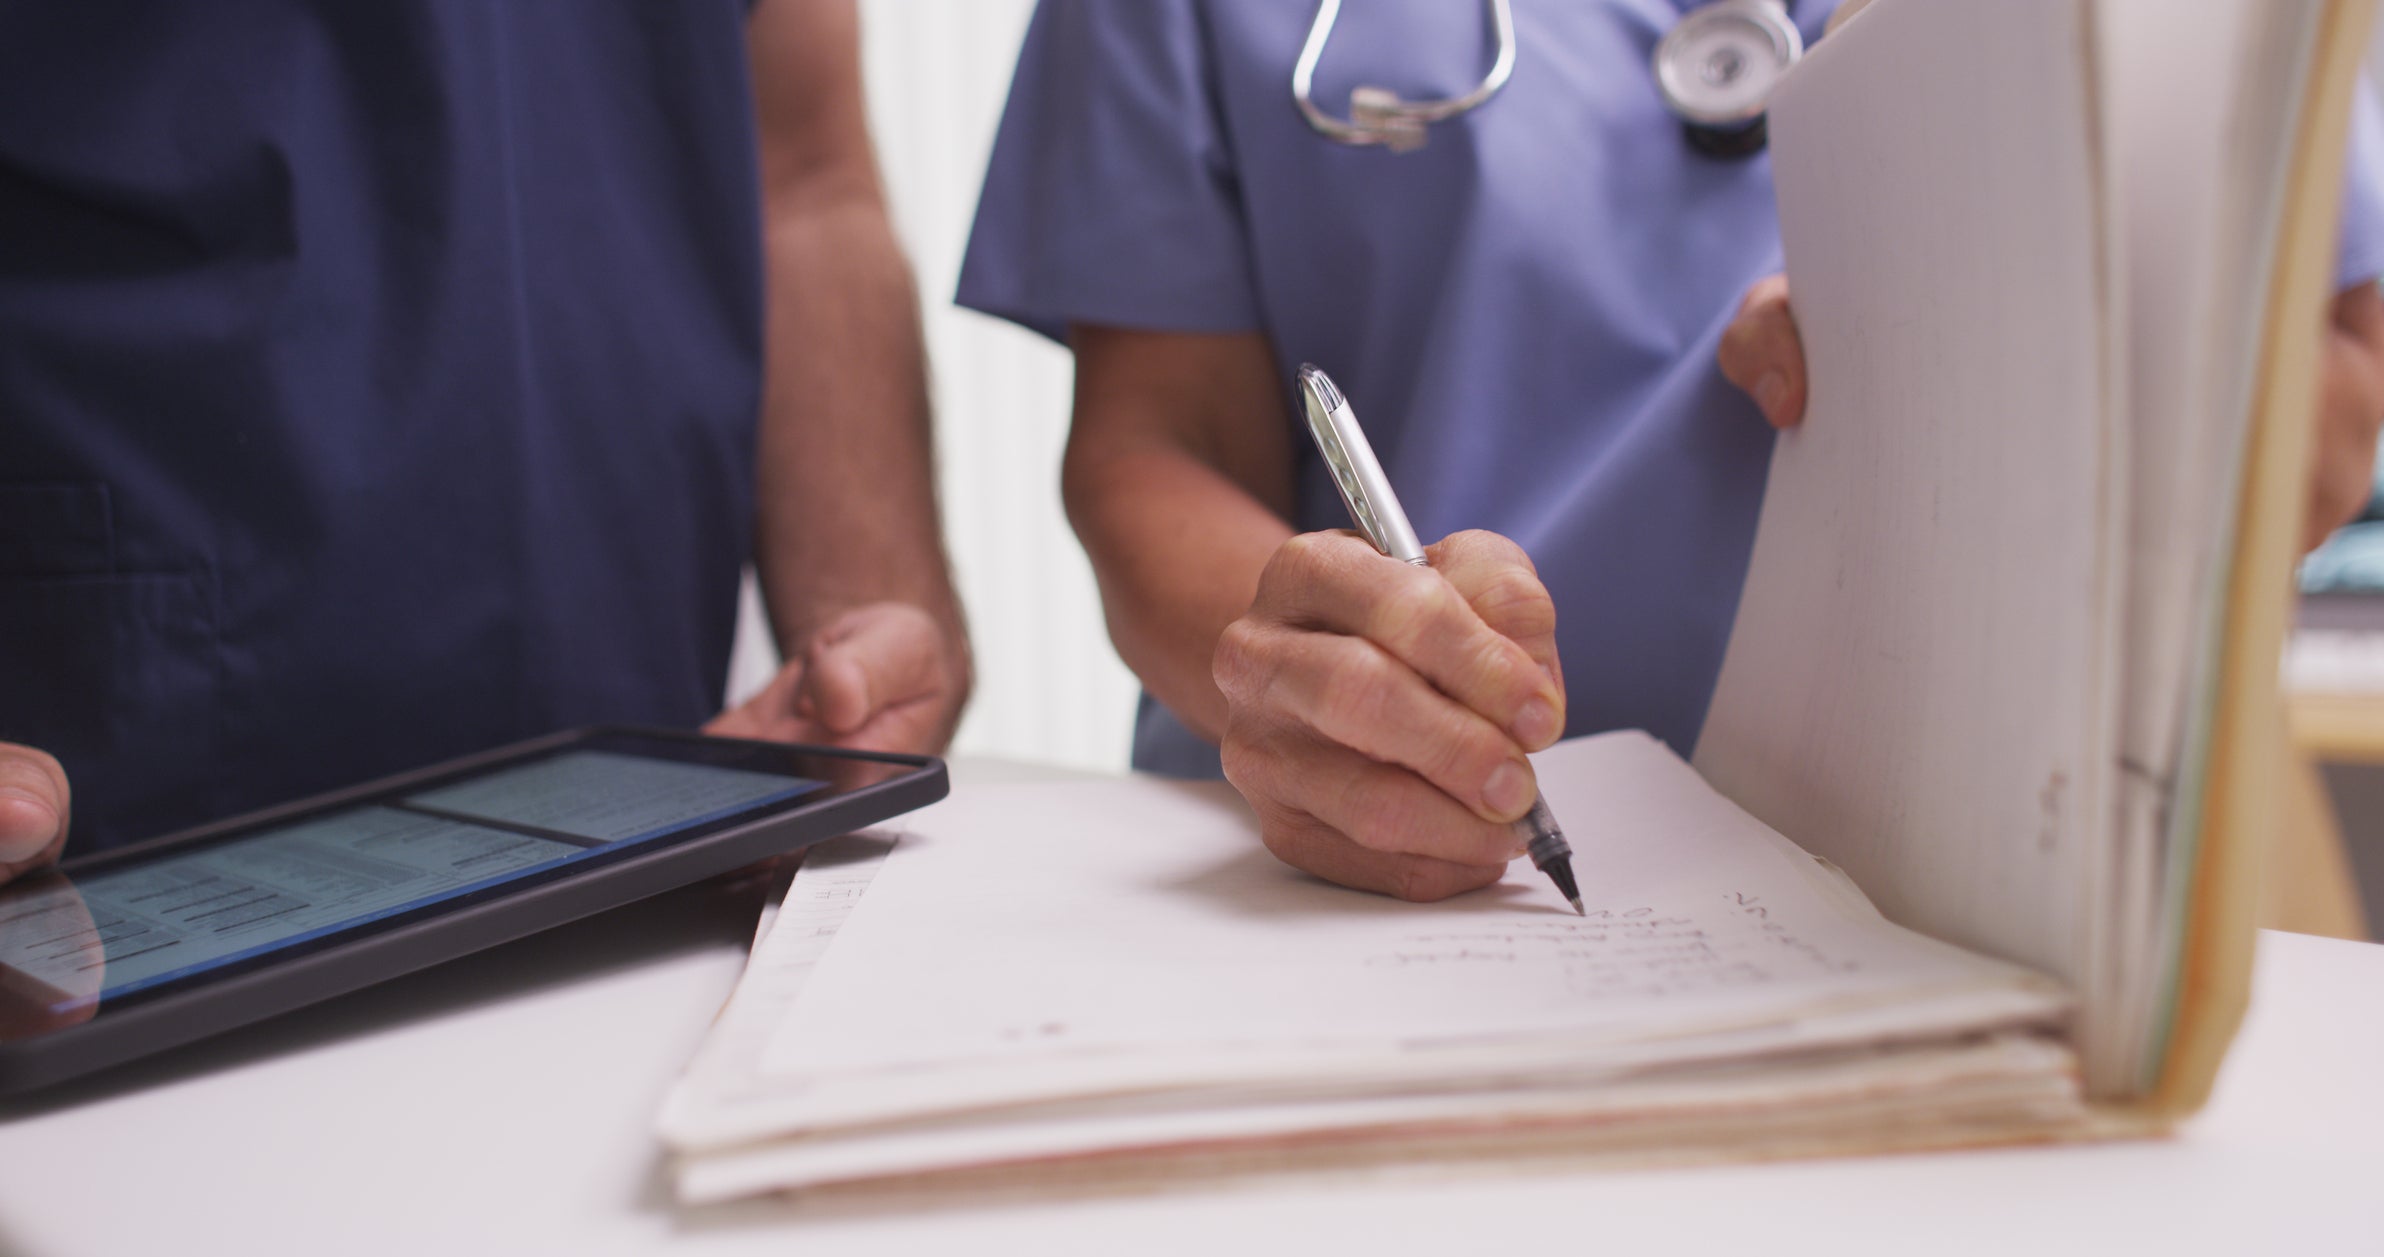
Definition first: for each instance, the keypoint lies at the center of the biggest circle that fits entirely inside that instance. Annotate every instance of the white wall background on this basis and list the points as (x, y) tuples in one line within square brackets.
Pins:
[(1048, 685)]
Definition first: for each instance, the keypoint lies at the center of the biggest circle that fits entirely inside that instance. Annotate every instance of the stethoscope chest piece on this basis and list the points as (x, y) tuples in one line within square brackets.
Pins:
[(1717, 69)]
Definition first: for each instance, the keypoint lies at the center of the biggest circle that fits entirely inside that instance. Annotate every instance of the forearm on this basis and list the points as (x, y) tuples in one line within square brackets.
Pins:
[(1178, 480), (847, 509), (1177, 548)]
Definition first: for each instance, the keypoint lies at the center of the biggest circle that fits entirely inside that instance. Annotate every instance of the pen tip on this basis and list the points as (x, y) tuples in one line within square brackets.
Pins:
[(1578, 910)]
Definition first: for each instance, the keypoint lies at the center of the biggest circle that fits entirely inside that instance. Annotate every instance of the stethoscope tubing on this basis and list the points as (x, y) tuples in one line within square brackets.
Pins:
[(1426, 112), (1380, 117)]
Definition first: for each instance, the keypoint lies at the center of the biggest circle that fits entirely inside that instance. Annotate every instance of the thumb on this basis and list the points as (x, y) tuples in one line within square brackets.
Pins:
[(33, 805), (868, 660)]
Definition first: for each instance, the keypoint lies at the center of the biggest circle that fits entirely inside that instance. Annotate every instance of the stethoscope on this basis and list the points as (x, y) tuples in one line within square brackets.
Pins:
[(1715, 69)]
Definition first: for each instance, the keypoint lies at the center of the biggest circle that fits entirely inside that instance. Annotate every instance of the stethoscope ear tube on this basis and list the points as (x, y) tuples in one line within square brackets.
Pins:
[(1377, 114)]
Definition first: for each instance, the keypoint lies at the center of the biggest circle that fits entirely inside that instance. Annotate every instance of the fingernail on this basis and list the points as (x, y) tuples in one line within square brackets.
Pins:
[(1771, 392), (1537, 724), (1508, 792)]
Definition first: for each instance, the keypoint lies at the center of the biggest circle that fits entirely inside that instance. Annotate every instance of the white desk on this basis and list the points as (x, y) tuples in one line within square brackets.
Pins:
[(503, 1105)]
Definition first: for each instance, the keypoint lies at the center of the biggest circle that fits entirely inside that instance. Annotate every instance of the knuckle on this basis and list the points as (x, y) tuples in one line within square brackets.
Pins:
[(1463, 757), (1300, 555), (1305, 568), (1514, 553), (1499, 678), (1514, 601), (1412, 610), (1419, 883), (1496, 577), (1278, 581), (1296, 840), (1273, 835), (1239, 659), (1370, 816), (1355, 690), (1479, 547), (1396, 813), (1254, 771)]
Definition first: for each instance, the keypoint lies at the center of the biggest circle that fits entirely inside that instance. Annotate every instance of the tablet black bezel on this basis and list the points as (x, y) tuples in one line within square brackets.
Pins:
[(860, 789)]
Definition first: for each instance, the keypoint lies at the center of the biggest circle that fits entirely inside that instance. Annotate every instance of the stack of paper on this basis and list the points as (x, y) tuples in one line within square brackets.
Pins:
[(1108, 980)]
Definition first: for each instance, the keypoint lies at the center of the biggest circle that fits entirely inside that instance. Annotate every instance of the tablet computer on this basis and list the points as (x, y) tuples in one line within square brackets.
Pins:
[(133, 951)]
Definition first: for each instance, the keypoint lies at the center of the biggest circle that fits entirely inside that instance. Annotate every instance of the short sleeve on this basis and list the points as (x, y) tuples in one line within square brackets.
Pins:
[(1112, 197), (2360, 259)]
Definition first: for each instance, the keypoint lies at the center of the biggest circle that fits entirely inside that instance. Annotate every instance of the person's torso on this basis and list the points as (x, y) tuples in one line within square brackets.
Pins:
[(1524, 314), (377, 383)]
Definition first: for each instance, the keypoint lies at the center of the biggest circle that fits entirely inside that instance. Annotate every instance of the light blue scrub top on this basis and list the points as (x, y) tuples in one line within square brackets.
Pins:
[(1524, 313)]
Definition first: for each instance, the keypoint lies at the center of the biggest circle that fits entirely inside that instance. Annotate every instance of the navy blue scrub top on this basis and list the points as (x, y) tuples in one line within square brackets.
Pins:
[(377, 383)]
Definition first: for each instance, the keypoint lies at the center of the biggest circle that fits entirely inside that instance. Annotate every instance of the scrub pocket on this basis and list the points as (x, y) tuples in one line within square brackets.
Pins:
[(114, 673)]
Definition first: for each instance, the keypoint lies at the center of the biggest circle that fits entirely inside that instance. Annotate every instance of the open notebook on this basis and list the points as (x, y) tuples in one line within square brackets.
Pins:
[(2006, 657)]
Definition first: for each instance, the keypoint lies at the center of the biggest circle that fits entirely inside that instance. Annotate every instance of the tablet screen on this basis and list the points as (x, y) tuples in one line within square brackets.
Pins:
[(144, 922)]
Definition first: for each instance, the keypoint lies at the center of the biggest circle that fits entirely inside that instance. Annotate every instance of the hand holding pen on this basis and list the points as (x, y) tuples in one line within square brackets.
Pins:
[(1379, 712)]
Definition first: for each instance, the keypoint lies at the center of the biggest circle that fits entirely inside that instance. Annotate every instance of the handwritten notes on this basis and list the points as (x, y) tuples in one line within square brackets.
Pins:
[(1027, 941), (1636, 951), (1118, 967)]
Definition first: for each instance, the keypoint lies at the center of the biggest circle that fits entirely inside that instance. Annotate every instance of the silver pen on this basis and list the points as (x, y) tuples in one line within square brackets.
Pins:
[(1367, 493)]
